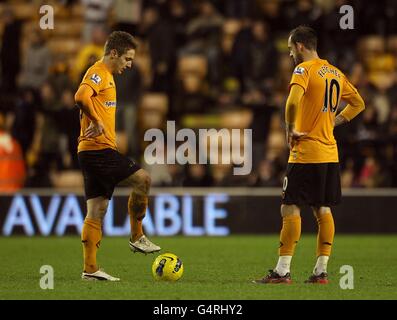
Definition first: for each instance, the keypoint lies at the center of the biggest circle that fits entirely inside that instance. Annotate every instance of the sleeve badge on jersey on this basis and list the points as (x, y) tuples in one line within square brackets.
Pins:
[(299, 70), (95, 78)]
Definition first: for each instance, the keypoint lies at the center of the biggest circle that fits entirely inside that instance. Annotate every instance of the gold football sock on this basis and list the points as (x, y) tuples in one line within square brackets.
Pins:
[(325, 236), (137, 205), (91, 236), (290, 234)]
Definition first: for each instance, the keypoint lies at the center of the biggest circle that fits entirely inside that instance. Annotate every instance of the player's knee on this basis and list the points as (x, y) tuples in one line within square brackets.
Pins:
[(103, 207), (97, 208), (143, 182), (147, 181), (317, 211), (288, 210)]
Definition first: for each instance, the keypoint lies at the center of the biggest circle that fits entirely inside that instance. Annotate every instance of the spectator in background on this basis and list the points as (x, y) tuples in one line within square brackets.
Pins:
[(373, 175), (262, 59), (258, 64), (207, 23), (10, 52), (391, 16), (179, 18), (45, 156), (260, 125), (347, 174), (272, 12), (130, 88), (382, 83), (391, 146), (127, 14), (177, 175), (366, 137), (303, 12), (368, 127), (336, 44), (197, 175), (59, 75), (36, 67), (69, 119), (96, 15), (12, 166), (266, 175), (204, 32), (239, 9), (24, 122), (160, 35), (191, 97), (222, 176), (256, 57), (373, 16), (240, 50), (223, 78), (89, 53), (392, 123)]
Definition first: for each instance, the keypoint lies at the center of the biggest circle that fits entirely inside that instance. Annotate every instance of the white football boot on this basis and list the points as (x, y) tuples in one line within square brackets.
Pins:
[(98, 275), (143, 245)]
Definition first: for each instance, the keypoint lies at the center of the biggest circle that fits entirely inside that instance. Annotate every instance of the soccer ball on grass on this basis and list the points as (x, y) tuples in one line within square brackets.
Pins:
[(167, 267)]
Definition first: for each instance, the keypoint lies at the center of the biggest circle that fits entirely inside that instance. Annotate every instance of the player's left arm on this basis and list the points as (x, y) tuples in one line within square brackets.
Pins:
[(295, 95), (355, 104)]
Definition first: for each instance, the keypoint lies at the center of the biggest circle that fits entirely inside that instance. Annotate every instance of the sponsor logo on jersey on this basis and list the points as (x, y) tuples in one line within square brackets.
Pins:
[(110, 104)]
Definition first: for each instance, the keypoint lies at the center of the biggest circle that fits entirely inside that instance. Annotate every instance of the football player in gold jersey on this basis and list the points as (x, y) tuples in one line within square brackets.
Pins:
[(312, 175), (102, 165)]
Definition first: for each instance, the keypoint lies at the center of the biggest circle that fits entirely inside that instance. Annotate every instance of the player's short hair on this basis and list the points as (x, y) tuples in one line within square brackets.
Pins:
[(305, 35), (121, 42)]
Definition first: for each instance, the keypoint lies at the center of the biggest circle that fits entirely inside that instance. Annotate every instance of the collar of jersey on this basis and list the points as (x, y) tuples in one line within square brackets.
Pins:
[(104, 65)]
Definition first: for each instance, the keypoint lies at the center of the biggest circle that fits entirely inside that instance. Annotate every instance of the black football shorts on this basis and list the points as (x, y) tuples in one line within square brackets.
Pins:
[(313, 184), (103, 170)]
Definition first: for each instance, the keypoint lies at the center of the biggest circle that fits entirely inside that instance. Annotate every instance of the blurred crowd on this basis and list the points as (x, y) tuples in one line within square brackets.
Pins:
[(201, 63)]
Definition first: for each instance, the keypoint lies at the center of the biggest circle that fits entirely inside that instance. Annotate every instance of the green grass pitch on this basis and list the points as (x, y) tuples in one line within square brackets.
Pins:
[(215, 268)]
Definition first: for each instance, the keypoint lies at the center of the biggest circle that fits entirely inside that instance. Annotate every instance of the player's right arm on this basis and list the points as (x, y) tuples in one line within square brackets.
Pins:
[(84, 103), (354, 107), (295, 95)]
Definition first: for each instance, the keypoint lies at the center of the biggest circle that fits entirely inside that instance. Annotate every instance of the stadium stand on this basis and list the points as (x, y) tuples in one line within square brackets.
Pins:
[(220, 64)]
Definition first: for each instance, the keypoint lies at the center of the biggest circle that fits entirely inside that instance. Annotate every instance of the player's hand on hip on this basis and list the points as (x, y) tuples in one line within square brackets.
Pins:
[(293, 136), (95, 129)]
